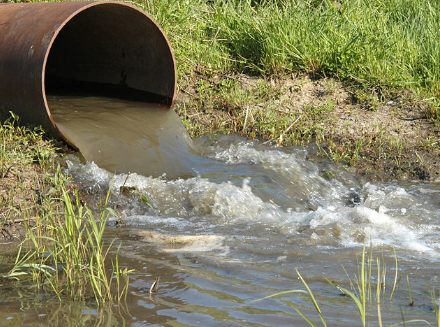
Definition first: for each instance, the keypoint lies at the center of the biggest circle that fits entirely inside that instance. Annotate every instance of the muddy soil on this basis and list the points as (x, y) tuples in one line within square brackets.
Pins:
[(384, 134), (390, 132), (27, 192), (409, 146)]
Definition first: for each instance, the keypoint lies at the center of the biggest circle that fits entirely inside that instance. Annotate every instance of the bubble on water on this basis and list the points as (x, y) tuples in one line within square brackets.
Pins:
[(383, 213), (89, 172)]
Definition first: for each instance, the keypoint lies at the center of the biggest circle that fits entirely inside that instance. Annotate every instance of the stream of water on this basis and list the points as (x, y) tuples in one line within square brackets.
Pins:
[(228, 221)]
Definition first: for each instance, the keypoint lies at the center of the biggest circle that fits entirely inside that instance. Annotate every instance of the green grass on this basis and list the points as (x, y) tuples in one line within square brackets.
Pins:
[(377, 43), (382, 49), (65, 252), (77, 245), (26, 157), (62, 248), (24, 145), (367, 290)]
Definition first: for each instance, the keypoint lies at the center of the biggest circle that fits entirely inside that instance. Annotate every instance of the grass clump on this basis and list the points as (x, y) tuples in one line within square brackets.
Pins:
[(24, 146), (376, 42), (27, 158), (65, 252), (62, 248), (367, 291), (78, 247)]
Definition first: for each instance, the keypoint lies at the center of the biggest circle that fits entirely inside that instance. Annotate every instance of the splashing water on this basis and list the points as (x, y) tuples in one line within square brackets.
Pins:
[(125, 136), (239, 217)]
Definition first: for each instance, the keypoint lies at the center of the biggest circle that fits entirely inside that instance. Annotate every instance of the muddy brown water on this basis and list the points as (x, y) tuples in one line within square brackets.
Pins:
[(125, 136), (229, 221)]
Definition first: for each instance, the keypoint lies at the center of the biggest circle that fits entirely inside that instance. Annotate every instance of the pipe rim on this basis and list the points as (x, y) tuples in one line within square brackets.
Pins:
[(88, 5)]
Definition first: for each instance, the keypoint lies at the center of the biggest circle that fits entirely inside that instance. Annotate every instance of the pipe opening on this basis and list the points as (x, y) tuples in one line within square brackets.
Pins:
[(112, 50)]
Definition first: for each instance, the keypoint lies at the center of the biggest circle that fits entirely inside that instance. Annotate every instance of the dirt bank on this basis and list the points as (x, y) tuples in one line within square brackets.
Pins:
[(385, 134), (382, 134)]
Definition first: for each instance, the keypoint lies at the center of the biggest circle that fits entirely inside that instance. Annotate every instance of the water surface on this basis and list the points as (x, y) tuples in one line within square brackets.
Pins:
[(233, 222), (125, 136)]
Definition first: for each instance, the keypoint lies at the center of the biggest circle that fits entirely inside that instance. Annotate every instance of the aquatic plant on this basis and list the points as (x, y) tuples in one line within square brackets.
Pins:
[(66, 251), (362, 292), (63, 247), (78, 247)]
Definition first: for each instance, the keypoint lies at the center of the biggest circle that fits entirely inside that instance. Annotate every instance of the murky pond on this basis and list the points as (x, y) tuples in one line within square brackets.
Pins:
[(231, 221)]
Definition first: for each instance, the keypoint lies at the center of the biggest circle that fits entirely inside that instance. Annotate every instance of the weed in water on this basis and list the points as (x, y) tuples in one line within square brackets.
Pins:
[(71, 255), (63, 247), (363, 293)]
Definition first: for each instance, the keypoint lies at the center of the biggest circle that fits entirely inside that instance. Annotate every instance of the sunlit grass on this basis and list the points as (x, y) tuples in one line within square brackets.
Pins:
[(377, 43), (26, 156), (366, 290), (63, 249), (66, 252)]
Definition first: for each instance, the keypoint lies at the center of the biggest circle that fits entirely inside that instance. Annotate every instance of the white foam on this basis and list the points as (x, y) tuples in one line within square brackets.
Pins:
[(390, 214)]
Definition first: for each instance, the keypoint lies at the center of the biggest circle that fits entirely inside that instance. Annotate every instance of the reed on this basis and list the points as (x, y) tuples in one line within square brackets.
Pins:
[(77, 246), (436, 307), (65, 251), (363, 293)]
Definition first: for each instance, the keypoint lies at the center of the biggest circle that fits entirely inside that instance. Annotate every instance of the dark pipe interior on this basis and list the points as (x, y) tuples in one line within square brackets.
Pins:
[(113, 51)]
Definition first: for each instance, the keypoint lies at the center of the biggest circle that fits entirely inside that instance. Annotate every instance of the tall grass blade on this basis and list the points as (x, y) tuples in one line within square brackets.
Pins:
[(309, 292), (395, 274), (378, 289), (359, 304)]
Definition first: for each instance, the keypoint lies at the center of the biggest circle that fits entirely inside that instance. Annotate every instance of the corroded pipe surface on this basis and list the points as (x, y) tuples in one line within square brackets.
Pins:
[(110, 48)]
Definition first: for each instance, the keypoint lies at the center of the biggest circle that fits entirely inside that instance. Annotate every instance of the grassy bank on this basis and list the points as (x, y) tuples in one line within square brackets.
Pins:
[(59, 242), (374, 43), (243, 65), (27, 157)]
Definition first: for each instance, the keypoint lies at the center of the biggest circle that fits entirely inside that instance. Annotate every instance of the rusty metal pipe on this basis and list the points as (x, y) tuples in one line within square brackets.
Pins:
[(107, 46)]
